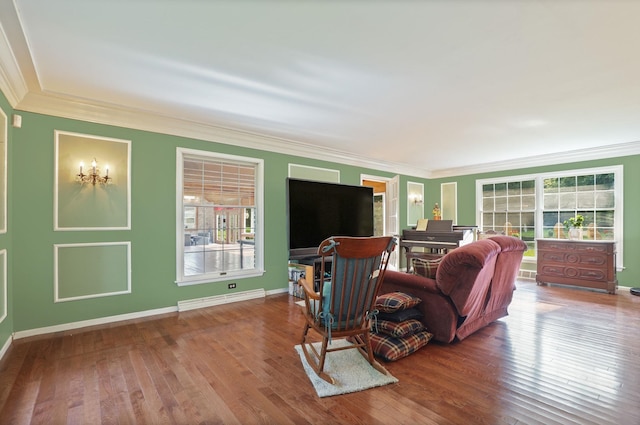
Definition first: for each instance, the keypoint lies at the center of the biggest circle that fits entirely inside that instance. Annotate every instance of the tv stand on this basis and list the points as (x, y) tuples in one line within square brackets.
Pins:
[(303, 267)]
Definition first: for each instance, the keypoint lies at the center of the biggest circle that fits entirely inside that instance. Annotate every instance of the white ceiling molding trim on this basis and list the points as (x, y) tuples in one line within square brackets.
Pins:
[(140, 120), (11, 82), (611, 151), (50, 104)]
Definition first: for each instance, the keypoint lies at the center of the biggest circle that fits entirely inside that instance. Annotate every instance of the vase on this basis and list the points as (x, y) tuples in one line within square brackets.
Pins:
[(575, 233)]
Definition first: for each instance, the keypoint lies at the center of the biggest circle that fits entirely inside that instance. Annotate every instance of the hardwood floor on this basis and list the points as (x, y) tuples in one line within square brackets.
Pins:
[(563, 356)]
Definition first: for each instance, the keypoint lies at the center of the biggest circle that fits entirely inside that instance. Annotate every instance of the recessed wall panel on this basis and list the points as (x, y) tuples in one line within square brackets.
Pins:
[(3, 285), (91, 270), (82, 203)]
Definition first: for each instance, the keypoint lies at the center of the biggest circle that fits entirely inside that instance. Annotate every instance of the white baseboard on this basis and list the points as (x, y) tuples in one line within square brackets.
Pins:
[(92, 322), (182, 306), (277, 291)]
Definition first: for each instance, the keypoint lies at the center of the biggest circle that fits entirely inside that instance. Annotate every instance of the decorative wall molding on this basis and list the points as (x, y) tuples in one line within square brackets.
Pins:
[(415, 202), (307, 172), (4, 292), (91, 206), (4, 144), (5, 347), (80, 272)]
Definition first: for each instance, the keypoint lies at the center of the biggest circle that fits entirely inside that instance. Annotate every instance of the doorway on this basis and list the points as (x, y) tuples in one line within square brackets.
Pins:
[(386, 207)]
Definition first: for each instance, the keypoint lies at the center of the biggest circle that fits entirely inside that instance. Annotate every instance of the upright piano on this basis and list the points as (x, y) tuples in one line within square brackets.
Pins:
[(440, 237)]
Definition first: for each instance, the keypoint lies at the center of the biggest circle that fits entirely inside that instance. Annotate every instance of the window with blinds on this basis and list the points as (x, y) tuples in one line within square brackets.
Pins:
[(219, 216)]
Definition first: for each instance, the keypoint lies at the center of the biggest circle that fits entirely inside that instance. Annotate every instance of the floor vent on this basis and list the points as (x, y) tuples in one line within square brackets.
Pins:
[(220, 299)]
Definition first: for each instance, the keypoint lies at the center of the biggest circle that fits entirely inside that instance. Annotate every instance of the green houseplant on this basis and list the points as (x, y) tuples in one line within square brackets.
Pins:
[(574, 225)]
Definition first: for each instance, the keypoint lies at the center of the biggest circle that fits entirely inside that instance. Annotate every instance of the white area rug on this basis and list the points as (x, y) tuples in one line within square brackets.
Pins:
[(348, 368)]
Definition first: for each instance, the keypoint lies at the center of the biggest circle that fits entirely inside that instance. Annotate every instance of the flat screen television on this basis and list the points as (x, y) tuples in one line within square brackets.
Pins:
[(318, 210)]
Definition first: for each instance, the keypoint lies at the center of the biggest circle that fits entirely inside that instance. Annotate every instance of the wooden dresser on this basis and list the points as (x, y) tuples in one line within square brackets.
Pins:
[(590, 264)]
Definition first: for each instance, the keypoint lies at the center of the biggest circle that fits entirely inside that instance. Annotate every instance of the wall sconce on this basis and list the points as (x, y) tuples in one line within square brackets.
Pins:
[(416, 198), (94, 174)]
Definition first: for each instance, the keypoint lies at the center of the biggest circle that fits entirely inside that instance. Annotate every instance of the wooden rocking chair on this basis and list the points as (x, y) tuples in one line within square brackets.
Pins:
[(343, 305)]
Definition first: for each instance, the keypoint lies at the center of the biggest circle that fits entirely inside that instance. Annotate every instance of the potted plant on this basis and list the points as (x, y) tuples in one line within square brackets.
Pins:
[(574, 225)]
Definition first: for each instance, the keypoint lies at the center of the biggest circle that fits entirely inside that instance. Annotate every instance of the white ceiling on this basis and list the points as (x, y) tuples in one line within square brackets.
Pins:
[(432, 87)]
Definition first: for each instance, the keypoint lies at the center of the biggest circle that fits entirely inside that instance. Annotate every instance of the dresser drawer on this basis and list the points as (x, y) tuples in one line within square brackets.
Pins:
[(575, 246), (581, 263), (594, 259), (569, 272)]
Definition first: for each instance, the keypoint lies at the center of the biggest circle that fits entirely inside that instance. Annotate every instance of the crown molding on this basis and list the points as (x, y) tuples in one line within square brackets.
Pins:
[(13, 86), (610, 151), (60, 106), (54, 105)]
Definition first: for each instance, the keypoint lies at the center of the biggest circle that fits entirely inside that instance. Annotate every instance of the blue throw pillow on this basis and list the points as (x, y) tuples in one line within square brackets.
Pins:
[(326, 298)]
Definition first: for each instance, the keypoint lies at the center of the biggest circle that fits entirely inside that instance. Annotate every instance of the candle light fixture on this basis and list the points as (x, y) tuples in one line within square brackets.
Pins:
[(415, 198), (93, 175)]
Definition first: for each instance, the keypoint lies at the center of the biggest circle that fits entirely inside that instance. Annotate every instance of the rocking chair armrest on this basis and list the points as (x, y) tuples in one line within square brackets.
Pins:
[(308, 288)]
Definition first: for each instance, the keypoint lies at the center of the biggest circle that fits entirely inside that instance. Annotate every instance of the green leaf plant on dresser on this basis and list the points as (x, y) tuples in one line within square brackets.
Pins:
[(574, 227)]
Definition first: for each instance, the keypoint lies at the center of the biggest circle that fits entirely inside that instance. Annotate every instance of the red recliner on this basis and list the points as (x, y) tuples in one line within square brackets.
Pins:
[(473, 287)]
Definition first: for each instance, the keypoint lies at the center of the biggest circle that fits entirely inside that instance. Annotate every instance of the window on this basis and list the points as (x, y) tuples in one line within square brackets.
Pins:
[(591, 195), (219, 207), (536, 206), (508, 207)]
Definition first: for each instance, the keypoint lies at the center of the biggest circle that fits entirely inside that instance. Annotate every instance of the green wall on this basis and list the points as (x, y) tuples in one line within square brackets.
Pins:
[(30, 238), (152, 233)]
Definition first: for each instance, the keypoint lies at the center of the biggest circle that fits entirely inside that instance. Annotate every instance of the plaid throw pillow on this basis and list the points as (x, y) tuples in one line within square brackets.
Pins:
[(390, 348), (426, 268), (408, 327), (396, 301)]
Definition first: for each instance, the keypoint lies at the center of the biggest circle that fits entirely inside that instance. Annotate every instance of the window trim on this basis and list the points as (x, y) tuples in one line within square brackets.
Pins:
[(258, 270), (618, 170)]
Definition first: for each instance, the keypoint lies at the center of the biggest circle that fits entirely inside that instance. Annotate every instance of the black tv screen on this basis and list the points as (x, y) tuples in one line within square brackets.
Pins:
[(318, 210)]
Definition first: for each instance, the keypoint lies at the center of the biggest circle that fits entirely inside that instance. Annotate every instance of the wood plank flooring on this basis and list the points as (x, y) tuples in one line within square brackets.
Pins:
[(563, 356)]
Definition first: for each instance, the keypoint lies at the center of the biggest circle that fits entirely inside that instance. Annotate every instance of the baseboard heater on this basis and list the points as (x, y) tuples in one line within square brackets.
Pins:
[(220, 299), (527, 274)]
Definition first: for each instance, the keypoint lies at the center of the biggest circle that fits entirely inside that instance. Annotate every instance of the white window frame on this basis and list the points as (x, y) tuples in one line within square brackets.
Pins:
[(218, 276), (617, 170)]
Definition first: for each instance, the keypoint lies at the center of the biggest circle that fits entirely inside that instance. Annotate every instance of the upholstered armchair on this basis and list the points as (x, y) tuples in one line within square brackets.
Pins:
[(473, 287)]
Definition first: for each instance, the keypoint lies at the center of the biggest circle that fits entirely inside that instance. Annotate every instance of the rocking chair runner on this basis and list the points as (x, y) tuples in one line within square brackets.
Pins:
[(343, 306)]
